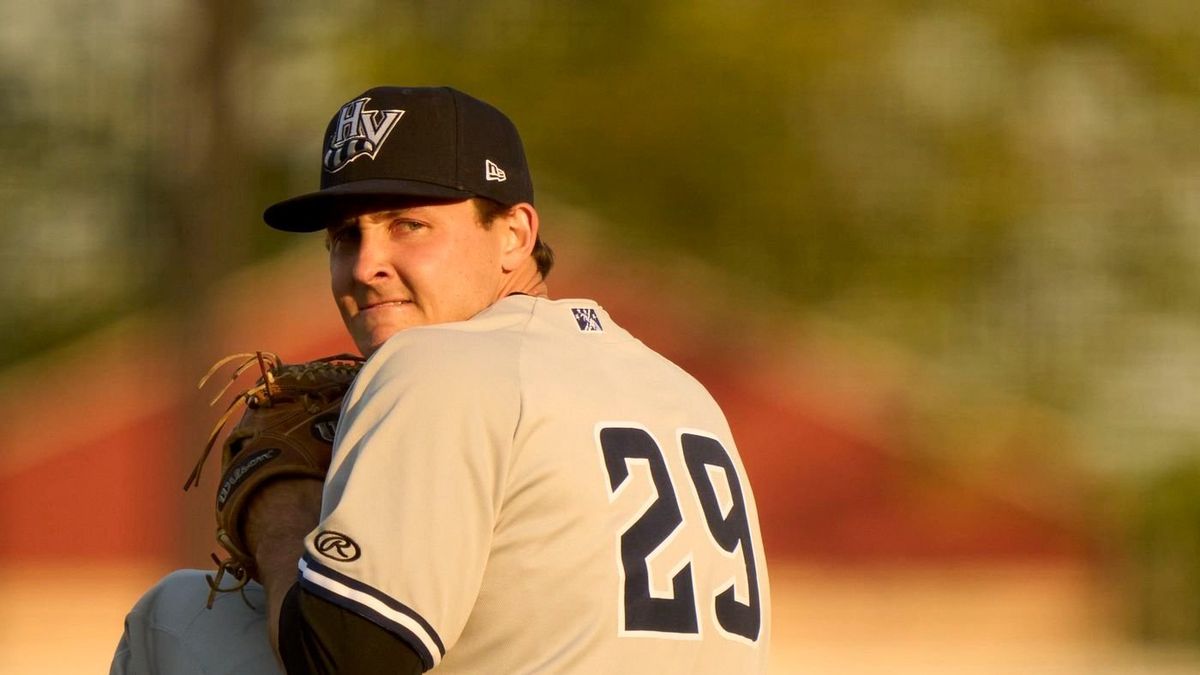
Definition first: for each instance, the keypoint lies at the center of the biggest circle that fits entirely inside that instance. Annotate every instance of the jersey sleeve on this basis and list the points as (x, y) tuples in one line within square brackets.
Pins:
[(317, 637), (412, 496)]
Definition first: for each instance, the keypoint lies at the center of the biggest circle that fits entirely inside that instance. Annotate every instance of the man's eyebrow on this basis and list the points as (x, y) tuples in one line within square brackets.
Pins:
[(406, 212), (352, 221), (335, 230), (341, 224)]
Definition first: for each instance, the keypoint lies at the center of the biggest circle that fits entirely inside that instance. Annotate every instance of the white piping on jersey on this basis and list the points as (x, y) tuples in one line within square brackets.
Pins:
[(375, 604)]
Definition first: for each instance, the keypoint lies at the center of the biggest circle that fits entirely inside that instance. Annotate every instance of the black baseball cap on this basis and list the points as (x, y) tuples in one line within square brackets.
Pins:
[(392, 144)]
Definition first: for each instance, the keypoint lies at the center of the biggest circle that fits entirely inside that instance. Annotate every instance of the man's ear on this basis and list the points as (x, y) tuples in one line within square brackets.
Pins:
[(520, 230)]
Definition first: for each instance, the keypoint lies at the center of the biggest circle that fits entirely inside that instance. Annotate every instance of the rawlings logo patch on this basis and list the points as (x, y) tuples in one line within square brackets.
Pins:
[(337, 546), (359, 133), (242, 469)]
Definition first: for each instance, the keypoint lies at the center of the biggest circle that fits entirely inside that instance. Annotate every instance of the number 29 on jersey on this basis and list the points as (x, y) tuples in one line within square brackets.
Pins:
[(713, 482)]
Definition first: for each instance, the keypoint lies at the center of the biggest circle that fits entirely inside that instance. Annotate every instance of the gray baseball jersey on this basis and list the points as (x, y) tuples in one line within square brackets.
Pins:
[(535, 490)]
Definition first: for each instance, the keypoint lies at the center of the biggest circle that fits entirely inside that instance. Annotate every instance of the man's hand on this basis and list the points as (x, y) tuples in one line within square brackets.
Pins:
[(285, 434), (280, 515)]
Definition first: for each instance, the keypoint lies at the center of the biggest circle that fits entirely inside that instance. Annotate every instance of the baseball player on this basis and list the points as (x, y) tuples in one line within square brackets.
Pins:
[(518, 485)]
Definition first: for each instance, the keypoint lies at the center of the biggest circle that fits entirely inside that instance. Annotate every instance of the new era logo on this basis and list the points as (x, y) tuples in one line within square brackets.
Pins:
[(587, 319), (493, 172)]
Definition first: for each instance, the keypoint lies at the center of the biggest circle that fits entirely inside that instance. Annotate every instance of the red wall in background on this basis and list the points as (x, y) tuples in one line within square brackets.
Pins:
[(828, 489)]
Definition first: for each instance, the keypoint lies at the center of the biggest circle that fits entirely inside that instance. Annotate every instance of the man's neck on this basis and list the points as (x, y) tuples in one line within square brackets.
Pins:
[(524, 281)]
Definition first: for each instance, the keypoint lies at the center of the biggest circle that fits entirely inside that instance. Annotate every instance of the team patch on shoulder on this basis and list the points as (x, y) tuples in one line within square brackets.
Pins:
[(587, 319)]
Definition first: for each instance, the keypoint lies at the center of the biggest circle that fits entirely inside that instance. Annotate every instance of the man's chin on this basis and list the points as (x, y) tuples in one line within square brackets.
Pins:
[(369, 347), (369, 344)]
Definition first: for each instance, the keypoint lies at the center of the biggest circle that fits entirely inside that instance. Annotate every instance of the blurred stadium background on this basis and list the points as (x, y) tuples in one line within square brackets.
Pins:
[(938, 260)]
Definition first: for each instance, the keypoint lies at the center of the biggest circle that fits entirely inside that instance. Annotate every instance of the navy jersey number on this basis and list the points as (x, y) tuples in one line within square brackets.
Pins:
[(678, 614), (729, 530), (642, 611)]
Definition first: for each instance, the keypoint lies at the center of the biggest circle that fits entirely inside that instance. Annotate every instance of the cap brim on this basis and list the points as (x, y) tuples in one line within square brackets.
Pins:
[(318, 210)]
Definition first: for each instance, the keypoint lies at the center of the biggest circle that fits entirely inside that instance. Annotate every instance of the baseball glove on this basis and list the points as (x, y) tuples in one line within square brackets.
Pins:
[(287, 430)]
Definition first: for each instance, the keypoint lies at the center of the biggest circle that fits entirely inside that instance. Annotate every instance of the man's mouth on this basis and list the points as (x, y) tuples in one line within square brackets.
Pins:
[(383, 304)]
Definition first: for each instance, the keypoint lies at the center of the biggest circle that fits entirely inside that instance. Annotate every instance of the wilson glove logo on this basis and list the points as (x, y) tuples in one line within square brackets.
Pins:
[(324, 428), (237, 474), (359, 132)]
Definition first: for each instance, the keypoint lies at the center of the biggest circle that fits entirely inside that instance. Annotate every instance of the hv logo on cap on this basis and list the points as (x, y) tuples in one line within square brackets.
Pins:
[(448, 146), (358, 132)]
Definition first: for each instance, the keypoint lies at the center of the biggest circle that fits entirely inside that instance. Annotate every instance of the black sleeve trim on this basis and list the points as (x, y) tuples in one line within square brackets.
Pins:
[(317, 637), (366, 601)]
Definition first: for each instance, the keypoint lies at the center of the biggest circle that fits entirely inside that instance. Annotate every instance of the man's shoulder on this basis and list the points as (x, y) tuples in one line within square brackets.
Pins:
[(500, 338), (476, 347)]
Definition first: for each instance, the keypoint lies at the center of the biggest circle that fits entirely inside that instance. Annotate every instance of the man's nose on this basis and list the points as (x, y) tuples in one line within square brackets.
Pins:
[(373, 263)]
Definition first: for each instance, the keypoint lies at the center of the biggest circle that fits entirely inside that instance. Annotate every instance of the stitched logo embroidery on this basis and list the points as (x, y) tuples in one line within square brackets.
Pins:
[(359, 132), (337, 546), (587, 319), (493, 172)]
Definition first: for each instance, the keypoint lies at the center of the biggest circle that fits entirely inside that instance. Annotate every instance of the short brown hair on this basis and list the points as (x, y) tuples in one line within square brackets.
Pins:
[(490, 209)]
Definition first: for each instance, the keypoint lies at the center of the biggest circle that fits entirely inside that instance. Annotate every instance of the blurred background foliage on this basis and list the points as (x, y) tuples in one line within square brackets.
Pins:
[(1009, 191)]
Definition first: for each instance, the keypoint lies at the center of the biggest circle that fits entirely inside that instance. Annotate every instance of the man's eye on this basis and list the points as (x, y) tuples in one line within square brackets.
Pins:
[(341, 237), (406, 225)]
